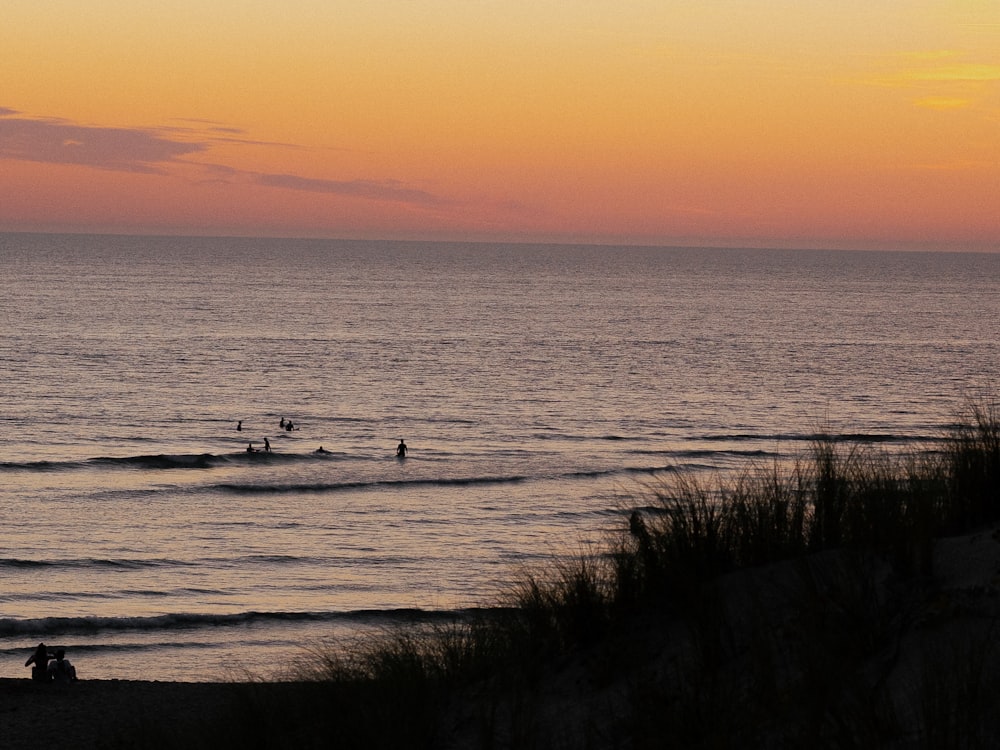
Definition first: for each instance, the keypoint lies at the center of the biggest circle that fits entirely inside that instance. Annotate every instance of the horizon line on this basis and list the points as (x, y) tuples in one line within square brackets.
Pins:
[(930, 246)]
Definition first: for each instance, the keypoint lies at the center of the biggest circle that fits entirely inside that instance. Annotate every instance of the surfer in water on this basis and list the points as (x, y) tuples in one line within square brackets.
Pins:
[(401, 449), (267, 445)]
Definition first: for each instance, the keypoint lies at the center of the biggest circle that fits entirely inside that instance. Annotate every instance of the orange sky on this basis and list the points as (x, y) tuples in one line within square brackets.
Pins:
[(755, 122)]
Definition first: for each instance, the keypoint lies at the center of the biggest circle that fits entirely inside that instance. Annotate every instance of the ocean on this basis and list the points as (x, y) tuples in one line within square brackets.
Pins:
[(542, 390)]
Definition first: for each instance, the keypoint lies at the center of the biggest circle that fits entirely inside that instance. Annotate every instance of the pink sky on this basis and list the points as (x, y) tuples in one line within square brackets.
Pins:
[(765, 122)]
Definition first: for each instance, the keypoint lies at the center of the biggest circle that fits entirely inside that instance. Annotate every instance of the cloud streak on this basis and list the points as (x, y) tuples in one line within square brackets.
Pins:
[(386, 190), (936, 68), (54, 141), (154, 151), (942, 103), (962, 73)]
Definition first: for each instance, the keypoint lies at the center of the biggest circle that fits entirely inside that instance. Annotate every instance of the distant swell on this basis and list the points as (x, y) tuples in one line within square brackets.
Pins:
[(197, 461), (813, 437), (122, 564), (161, 461), (252, 488), (50, 626), (704, 453), (39, 465)]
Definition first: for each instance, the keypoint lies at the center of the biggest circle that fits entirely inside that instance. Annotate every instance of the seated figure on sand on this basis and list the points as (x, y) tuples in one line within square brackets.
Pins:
[(61, 670), (40, 658)]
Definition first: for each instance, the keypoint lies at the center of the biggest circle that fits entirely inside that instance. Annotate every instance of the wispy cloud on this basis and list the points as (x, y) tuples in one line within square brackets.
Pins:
[(940, 79), (934, 68), (158, 150), (54, 141), (386, 190), (942, 103), (219, 132), (962, 73), (211, 125)]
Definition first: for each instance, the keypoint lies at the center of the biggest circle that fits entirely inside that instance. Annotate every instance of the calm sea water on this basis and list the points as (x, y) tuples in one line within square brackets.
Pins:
[(539, 388)]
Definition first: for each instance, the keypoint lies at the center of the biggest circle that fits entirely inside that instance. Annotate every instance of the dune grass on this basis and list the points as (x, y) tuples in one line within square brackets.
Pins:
[(850, 516)]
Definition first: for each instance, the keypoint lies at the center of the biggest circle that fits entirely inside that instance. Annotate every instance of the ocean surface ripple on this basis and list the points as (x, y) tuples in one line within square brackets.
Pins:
[(542, 390)]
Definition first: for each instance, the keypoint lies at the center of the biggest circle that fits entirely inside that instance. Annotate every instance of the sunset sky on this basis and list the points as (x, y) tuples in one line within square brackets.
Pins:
[(724, 122)]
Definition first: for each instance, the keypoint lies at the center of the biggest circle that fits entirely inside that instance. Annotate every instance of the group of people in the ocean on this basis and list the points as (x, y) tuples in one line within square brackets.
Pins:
[(286, 424), (50, 667)]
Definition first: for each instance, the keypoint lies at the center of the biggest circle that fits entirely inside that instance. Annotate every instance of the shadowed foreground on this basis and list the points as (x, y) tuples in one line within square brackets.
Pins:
[(833, 650), (138, 714)]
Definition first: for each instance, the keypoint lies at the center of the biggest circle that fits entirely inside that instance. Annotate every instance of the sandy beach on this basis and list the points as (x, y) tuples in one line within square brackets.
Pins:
[(102, 713), (131, 713)]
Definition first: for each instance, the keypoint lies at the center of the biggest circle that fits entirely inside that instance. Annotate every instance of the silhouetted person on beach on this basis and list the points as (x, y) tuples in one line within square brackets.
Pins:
[(401, 449), (267, 446), (239, 426), (61, 670), (39, 672)]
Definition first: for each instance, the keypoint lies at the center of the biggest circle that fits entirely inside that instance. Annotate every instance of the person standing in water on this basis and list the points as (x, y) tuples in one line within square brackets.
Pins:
[(267, 445), (401, 449)]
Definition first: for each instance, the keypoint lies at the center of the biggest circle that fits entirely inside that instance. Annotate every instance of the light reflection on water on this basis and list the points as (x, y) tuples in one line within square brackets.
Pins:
[(539, 388)]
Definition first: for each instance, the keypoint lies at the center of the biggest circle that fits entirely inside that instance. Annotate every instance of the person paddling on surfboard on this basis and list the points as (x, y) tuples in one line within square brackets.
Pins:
[(401, 449)]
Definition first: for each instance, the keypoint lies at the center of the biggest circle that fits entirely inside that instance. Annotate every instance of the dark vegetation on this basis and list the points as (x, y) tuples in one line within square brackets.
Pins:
[(790, 606)]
